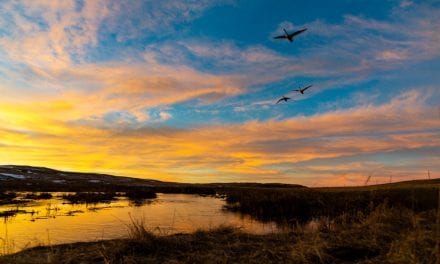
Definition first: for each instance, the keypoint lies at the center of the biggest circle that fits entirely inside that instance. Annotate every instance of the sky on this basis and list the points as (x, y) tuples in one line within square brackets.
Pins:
[(185, 90)]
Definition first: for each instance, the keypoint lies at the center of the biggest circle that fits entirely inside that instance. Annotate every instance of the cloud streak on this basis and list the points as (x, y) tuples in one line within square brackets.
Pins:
[(264, 150), (79, 95)]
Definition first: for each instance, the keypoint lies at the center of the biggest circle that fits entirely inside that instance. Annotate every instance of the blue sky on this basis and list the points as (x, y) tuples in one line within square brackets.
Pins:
[(186, 90)]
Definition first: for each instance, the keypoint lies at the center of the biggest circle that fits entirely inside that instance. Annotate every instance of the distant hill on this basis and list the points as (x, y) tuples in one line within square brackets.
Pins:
[(28, 178), (412, 183), (431, 183)]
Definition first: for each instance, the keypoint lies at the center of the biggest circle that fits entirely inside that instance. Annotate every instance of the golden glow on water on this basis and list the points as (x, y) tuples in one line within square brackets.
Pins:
[(53, 222)]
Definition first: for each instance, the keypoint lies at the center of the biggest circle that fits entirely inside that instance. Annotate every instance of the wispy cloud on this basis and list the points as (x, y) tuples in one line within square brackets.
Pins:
[(47, 36), (154, 18), (50, 44), (77, 94), (356, 48), (253, 150)]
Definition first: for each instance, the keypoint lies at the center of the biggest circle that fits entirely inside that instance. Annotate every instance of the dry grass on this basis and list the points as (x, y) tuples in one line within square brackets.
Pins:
[(385, 235), (369, 225), (301, 205), (90, 197)]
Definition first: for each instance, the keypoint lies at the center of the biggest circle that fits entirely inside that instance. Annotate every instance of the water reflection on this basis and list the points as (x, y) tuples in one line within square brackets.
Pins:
[(53, 221)]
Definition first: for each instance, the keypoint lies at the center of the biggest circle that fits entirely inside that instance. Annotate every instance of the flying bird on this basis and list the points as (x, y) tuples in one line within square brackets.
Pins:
[(285, 99), (301, 90), (290, 36)]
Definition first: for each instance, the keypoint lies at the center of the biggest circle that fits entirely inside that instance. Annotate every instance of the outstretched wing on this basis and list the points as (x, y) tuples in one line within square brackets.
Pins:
[(282, 99), (298, 32), (280, 37), (305, 88)]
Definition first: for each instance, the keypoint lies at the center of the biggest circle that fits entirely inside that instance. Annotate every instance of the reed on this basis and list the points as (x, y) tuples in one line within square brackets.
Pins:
[(355, 225), (302, 205), (138, 194), (40, 196), (90, 197), (385, 235)]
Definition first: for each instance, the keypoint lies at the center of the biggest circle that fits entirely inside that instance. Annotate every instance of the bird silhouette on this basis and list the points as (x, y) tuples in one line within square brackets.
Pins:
[(302, 90), (290, 36), (285, 99)]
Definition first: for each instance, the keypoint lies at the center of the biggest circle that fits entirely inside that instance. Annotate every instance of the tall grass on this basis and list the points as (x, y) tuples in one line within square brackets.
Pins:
[(139, 194), (90, 197), (369, 225), (7, 197), (385, 235), (302, 205), (41, 196)]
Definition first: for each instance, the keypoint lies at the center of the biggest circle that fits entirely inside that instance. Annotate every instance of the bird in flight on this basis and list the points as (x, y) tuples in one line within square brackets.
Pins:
[(301, 90), (285, 99), (290, 36)]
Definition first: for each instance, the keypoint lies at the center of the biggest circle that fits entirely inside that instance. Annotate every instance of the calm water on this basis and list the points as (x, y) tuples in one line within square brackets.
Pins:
[(49, 222)]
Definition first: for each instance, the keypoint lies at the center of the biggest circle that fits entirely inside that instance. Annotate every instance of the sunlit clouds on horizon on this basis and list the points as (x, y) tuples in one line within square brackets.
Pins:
[(185, 91)]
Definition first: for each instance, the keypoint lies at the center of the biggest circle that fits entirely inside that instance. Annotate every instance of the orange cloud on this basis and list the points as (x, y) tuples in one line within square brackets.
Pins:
[(253, 151), (54, 114)]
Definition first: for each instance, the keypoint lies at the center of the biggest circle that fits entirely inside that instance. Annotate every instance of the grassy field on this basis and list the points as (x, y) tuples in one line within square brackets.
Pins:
[(302, 204)]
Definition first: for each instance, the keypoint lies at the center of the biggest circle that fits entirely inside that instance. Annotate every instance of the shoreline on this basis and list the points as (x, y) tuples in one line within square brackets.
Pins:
[(386, 235)]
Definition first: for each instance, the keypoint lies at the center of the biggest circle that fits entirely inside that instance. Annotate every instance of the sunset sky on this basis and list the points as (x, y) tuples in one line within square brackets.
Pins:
[(186, 90)]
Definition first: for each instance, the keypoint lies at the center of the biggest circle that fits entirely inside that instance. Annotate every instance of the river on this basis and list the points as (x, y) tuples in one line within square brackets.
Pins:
[(53, 221)]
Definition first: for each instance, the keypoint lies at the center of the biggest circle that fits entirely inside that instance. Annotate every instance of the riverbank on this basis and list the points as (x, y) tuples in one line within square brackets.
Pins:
[(389, 223), (386, 235)]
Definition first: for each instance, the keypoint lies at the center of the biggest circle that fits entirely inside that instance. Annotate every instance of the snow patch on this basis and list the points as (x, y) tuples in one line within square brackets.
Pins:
[(59, 181), (7, 167), (94, 181), (15, 176)]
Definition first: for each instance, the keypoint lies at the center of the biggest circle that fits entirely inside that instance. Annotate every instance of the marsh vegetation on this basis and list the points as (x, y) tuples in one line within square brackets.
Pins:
[(376, 224), (384, 235), (302, 204), (90, 197)]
